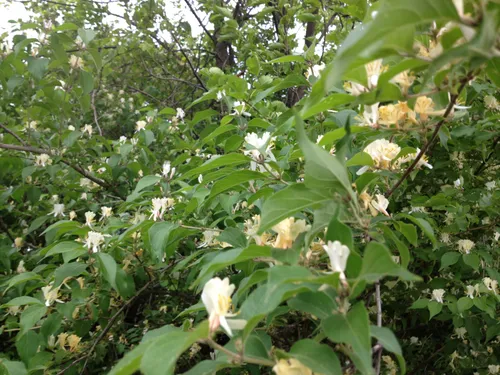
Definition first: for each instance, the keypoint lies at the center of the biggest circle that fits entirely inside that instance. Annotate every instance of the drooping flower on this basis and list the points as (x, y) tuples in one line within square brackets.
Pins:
[(239, 109), (180, 114), (50, 294), (167, 171), (94, 240), (382, 153), (89, 218), (43, 160), (75, 62), (122, 140), (470, 290), (106, 212), (438, 294), (338, 254), (371, 115), (465, 246), (251, 229), (88, 129), (72, 215), (58, 210), (140, 125), (288, 230), (460, 332), (291, 366), (490, 284), (160, 205), (216, 297), (379, 204)]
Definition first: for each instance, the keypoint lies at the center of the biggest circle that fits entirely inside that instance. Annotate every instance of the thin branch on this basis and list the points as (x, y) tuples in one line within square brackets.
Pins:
[(379, 324), (238, 357), (200, 21), (5, 228), (485, 161), (144, 93), (424, 149), (13, 134)]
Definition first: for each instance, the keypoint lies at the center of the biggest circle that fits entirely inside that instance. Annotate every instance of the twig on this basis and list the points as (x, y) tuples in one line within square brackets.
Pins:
[(13, 134), (144, 93), (481, 167), (379, 324), (5, 228), (107, 328), (424, 149), (200, 22), (239, 358), (92, 104)]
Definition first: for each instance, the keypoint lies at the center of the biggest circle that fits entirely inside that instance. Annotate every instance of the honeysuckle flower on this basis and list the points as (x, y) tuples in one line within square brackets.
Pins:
[(140, 125), (72, 215), (493, 369), (122, 140), (465, 246), (496, 236), (354, 88), (50, 294), (83, 197), (491, 102), (373, 71), (460, 332), (221, 95), (470, 290), (101, 170), (338, 254), (404, 79), (58, 210), (491, 185), (134, 141), (55, 198), (288, 230), (71, 128), (43, 160), (251, 229), (167, 171), (490, 284), (18, 242), (88, 129), (61, 340), (159, 206), (216, 297), (73, 342), (424, 106), (259, 144), (89, 218), (438, 294), (291, 366), (75, 62), (457, 183), (200, 178), (393, 114), (180, 114), (414, 340), (315, 70), (239, 109), (20, 267), (371, 115), (379, 204), (94, 240), (382, 153), (445, 237), (106, 212)]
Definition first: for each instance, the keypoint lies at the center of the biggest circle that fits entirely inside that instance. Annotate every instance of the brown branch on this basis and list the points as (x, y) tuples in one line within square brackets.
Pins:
[(96, 118), (144, 93), (200, 22), (378, 352), (424, 149), (13, 134)]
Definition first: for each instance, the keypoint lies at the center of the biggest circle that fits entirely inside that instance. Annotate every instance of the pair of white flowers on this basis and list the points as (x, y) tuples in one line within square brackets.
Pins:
[(259, 148), (43, 160), (159, 206), (168, 171)]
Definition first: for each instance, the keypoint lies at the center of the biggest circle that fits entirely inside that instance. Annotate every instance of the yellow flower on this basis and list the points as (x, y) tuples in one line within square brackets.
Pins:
[(18, 242), (291, 367), (382, 153), (61, 340), (404, 80), (424, 106), (288, 230), (73, 342)]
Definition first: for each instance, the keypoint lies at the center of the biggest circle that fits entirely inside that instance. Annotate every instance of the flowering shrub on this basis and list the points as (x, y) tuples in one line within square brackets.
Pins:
[(231, 202)]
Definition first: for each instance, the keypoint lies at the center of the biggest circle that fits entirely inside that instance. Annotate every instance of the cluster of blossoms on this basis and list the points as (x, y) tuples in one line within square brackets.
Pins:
[(160, 206)]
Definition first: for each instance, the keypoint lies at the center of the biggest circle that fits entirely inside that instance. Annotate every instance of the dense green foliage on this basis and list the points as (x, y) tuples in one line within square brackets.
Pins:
[(248, 200)]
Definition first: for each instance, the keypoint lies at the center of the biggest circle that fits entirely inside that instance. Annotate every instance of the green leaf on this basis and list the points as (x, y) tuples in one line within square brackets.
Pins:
[(472, 260), (208, 367), (22, 301), (68, 270), (218, 131), (390, 343), (12, 367), (352, 329), (86, 82), (434, 308), (361, 158), (319, 358), (315, 303), (68, 249), (424, 226), (377, 263), (30, 316), (21, 279), (286, 59), (253, 65), (86, 35), (222, 161), (330, 102), (409, 231), (464, 303), (286, 202), (159, 235), (235, 179), (234, 237), (338, 231), (108, 268), (38, 67), (449, 259)]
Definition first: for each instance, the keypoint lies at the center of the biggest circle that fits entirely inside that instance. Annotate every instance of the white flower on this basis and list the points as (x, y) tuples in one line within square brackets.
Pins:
[(288, 230), (465, 246), (470, 291), (438, 294), (71, 128), (20, 267), (457, 183), (122, 140), (83, 196), (43, 160), (140, 125), (134, 141), (373, 71), (291, 366), (58, 210), (221, 95), (216, 297), (72, 215), (445, 237), (497, 236), (50, 294), (75, 62), (460, 332), (413, 340), (88, 129), (491, 185), (140, 173), (106, 212), (89, 218), (160, 205), (200, 178), (382, 153), (423, 161), (180, 114), (338, 254), (32, 125), (370, 114), (167, 171), (379, 204), (260, 147), (490, 284), (55, 198), (239, 109), (493, 369), (101, 170), (94, 240)]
